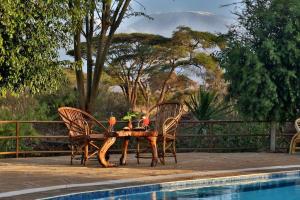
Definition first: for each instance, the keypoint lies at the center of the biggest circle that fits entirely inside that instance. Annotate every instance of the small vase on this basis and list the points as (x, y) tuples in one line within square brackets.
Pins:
[(130, 124)]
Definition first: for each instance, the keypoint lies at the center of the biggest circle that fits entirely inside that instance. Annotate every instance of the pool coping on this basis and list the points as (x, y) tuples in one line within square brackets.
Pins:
[(169, 185)]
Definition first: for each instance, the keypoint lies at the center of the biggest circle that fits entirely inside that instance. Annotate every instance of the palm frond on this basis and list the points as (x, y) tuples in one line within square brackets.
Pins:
[(206, 105)]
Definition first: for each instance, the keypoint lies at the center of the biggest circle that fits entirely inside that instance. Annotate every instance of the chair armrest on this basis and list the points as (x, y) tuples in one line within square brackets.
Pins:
[(96, 122), (297, 125), (170, 125), (76, 138)]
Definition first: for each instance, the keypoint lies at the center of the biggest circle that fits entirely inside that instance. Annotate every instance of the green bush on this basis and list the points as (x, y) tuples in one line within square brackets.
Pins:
[(23, 107), (110, 102), (224, 137), (63, 97)]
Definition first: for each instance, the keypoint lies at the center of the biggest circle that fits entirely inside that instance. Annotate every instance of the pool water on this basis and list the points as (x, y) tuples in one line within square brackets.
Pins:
[(272, 186), (281, 189)]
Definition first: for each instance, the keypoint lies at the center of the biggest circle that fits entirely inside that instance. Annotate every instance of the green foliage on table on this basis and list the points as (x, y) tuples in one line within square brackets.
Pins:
[(262, 59), (130, 115), (207, 105), (30, 34)]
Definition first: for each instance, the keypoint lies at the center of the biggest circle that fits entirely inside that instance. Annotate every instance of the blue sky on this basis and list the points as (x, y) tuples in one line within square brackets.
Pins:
[(167, 6), (177, 6), (158, 6)]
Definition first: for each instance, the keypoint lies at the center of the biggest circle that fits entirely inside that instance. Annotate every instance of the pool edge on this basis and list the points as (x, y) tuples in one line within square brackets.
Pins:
[(202, 182)]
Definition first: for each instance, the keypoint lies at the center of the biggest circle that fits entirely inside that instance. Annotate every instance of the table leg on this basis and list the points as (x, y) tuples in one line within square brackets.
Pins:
[(124, 151), (102, 152), (152, 141)]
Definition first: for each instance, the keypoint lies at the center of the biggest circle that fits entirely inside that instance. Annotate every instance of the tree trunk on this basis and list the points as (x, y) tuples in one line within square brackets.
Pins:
[(164, 86), (78, 69), (110, 23), (89, 37), (134, 98), (146, 94), (104, 42)]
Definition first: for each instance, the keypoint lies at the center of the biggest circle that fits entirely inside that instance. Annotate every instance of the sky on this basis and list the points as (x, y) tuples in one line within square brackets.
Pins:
[(159, 6), (169, 6), (151, 7)]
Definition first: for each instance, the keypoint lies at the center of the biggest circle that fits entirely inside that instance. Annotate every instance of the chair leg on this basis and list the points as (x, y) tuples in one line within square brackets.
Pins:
[(86, 154), (293, 145), (138, 151), (174, 150), (72, 154), (162, 158), (82, 158)]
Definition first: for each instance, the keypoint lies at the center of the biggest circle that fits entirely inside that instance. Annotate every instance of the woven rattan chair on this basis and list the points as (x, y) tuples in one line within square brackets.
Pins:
[(165, 117), (296, 138), (82, 138)]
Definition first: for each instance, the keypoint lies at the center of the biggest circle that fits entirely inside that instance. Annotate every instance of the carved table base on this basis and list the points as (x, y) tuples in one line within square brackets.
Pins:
[(150, 135), (103, 150)]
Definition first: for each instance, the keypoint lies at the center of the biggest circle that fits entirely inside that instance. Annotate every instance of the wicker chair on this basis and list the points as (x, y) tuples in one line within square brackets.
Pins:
[(82, 138), (165, 117), (296, 138)]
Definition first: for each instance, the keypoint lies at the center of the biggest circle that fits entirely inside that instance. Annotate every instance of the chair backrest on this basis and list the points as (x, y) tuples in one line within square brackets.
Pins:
[(297, 125), (164, 111), (74, 119), (79, 122)]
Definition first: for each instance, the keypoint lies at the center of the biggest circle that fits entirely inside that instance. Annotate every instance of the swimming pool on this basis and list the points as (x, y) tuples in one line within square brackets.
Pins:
[(277, 190), (275, 186)]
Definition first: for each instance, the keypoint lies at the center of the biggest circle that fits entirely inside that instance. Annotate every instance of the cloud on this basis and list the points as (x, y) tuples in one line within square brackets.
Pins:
[(166, 23)]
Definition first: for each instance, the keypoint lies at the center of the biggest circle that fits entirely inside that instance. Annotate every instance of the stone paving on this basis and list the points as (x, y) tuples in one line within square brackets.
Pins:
[(30, 173)]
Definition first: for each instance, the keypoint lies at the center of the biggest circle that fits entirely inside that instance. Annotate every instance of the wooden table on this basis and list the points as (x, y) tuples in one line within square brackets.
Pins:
[(151, 136)]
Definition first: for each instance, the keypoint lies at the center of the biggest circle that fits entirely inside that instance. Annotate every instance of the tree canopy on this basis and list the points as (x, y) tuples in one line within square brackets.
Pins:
[(30, 34), (146, 65), (262, 59), (131, 57)]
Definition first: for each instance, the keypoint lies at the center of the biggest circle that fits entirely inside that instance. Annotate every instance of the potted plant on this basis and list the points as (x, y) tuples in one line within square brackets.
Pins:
[(129, 117)]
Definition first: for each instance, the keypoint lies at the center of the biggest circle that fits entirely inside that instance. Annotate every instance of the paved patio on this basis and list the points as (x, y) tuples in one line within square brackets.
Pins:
[(31, 178)]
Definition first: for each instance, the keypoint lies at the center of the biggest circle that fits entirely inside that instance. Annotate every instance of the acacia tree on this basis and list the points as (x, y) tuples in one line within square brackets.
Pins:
[(262, 59), (178, 85), (131, 57), (30, 33), (97, 21), (148, 63), (186, 48), (136, 61)]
